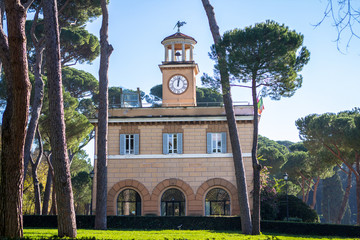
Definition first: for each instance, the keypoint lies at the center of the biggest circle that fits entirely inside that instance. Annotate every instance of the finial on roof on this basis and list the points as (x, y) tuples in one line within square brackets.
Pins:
[(179, 25)]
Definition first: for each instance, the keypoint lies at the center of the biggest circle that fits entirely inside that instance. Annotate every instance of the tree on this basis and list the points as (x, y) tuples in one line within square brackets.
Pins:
[(270, 56), (14, 62), (101, 170), (246, 224), (339, 134), (62, 179), (77, 46), (345, 16), (332, 198), (273, 159)]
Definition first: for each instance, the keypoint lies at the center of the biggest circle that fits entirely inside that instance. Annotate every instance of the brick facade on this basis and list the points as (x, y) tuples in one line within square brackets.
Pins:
[(194, 172)]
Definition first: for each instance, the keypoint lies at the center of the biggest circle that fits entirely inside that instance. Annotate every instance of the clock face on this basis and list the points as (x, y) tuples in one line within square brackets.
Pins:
[(178, 84)]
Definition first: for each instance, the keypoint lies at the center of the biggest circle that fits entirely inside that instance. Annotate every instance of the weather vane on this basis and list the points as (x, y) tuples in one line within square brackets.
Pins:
[(179, 25)]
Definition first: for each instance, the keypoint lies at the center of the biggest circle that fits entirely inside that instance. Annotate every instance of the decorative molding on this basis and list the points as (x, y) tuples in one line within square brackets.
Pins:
[(173, 119), (173, 156)]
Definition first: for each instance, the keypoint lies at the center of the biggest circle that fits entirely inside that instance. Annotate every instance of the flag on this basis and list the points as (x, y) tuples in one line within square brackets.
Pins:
[(260, 104)]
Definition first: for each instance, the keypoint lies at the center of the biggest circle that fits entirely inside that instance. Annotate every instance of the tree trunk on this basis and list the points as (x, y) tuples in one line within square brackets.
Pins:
[(14, 58), (303, 188), (316, 185), (47, 193), (255, 163), (308, 190), (101, 174), (34, 167), (36, 189), (53, 208), (60, 160), (246, 225), (345, 199), (37, 103)]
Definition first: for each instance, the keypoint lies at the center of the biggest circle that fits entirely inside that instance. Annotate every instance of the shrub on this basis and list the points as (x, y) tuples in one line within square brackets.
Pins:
[(297, 209)]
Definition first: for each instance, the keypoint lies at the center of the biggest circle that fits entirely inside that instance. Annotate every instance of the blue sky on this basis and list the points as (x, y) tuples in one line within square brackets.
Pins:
[(330, 80)]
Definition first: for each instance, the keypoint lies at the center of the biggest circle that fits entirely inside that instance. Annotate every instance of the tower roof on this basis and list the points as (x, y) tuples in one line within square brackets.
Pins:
[(178, 35)]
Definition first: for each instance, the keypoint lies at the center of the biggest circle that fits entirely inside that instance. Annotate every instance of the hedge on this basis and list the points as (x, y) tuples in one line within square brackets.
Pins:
[(198, 223)]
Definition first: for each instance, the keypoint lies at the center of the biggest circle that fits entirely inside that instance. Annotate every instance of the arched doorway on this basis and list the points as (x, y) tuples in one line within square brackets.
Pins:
[(217, 202), (173, 203), (129, 203)]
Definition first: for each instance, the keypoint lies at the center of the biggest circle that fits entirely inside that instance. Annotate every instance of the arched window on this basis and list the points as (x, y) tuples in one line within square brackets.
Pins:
[(217, 202), (173, 203), (128, 203)]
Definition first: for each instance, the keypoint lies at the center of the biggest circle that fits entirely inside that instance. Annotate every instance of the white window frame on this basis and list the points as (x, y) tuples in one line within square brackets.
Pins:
[(129, 144)]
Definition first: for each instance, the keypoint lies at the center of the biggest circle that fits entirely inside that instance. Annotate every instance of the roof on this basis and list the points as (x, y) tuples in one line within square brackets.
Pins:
[(178, 35), (177, 114)]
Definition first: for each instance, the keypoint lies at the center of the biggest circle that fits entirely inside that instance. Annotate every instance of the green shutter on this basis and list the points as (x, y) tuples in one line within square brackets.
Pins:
[(122, 144), (136, 141), (208, 143)]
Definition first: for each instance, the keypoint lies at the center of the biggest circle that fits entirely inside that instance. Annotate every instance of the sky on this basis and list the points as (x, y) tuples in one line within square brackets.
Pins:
[(330, 80)]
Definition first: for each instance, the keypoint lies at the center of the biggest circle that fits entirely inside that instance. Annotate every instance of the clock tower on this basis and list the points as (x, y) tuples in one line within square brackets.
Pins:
[(179, 71)]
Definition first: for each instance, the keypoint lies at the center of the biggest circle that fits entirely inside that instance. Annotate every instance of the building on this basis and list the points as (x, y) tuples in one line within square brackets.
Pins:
[(175, 160)]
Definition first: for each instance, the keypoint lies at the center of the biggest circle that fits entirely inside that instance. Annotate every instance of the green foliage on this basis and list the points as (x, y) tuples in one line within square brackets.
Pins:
[(81, 184), (285, 143), (78, 126), (273, 155), (298, 147), (75, 13), (266, 142), (273, 158), (78, 46), (332, 197), (208, 95), (78, 83), (297, 209), (268, 53)]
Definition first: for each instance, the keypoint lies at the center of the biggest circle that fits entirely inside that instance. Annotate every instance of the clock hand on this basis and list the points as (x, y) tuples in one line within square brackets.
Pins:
[(178, 82)]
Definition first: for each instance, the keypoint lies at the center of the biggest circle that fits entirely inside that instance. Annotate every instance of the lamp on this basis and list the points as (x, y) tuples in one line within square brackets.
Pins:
[(286, 177)]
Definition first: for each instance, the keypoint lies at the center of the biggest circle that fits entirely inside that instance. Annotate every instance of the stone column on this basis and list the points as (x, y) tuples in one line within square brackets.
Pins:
[(172, 52), (183, 52), (191, 53), (166, 54)]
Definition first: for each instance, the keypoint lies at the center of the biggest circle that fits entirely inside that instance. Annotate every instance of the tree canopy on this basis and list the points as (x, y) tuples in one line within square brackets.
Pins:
[(269, 53)]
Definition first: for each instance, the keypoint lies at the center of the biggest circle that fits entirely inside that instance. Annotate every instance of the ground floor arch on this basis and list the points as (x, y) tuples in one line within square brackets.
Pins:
[(173, 197)]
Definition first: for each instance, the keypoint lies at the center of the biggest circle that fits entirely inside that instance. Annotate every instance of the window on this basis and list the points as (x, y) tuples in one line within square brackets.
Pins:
[(173, 203), (129, 144), (129, 203), (216, 142), (172, 143), (217, 202)]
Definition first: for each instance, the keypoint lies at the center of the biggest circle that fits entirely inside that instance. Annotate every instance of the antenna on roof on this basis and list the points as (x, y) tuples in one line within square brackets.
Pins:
[(179, 25)]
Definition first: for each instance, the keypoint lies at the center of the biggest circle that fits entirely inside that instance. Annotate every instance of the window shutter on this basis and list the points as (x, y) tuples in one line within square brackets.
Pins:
[(165, 144), (223, 142), (208, 142), (136, 140), (180, 143), (122, 144)]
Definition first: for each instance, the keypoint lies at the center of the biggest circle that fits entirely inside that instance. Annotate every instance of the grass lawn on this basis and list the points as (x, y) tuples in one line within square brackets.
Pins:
[(164, 235)]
